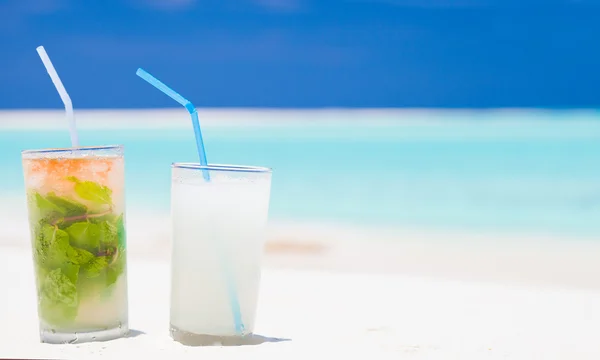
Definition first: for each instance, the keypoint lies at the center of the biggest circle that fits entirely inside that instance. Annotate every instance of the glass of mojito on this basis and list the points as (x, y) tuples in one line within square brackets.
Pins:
[(218, 236), (76, 203)]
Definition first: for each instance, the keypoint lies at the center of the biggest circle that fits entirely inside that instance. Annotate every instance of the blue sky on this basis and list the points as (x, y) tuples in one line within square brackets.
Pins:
[(300, 53)]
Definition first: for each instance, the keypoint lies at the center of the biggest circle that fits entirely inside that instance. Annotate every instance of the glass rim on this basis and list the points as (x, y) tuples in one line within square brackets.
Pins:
[(221, 167), (70, 149)]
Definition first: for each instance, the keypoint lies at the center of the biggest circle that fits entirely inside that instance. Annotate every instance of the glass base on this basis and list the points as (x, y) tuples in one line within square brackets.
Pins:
[(192, 339), (55, 337)]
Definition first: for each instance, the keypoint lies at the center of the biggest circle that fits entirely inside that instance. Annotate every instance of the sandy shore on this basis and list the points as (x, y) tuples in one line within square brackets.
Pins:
[(340, 291), (499, 258), (306, 313)]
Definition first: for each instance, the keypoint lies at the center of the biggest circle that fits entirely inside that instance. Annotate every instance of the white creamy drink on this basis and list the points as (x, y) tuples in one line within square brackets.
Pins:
[(218, 238)]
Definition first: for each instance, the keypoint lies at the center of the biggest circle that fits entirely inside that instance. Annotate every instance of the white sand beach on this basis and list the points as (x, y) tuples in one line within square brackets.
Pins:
[(327, 292)]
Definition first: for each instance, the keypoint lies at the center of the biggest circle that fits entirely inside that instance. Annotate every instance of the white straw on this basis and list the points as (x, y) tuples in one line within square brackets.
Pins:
[(63, 94)]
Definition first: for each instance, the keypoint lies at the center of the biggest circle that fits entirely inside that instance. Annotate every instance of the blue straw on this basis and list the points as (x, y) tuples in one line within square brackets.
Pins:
[(233, 298), (188, 106)]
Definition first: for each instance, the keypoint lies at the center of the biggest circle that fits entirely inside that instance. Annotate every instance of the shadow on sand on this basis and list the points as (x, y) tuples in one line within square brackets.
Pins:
[(134, 333), (206, 340)]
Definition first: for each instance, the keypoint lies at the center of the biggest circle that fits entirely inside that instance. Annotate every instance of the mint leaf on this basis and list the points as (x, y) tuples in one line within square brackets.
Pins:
[(92, 191), (58, 298), (112, 232), (41, 243), (69, 207), (108, 234), (99, 275), (110, 217), (80, 256), (118, 264), (46, 210), (120, 224), (84, 235), (55, 242), (71, 271), (95, 267), (53, 250), (56, 209), (116, 267), (44, 205)]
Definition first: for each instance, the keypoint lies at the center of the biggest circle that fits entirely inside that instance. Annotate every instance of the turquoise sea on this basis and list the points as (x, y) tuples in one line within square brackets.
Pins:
[(531, 175)]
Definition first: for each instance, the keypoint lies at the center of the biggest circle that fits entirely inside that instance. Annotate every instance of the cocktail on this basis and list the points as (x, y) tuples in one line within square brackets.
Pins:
[(218, 237), (219, 215), (76, 203)]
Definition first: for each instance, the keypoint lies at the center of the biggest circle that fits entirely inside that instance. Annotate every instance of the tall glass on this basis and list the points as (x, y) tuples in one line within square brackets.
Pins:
[(218, 237), (76, 203)]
